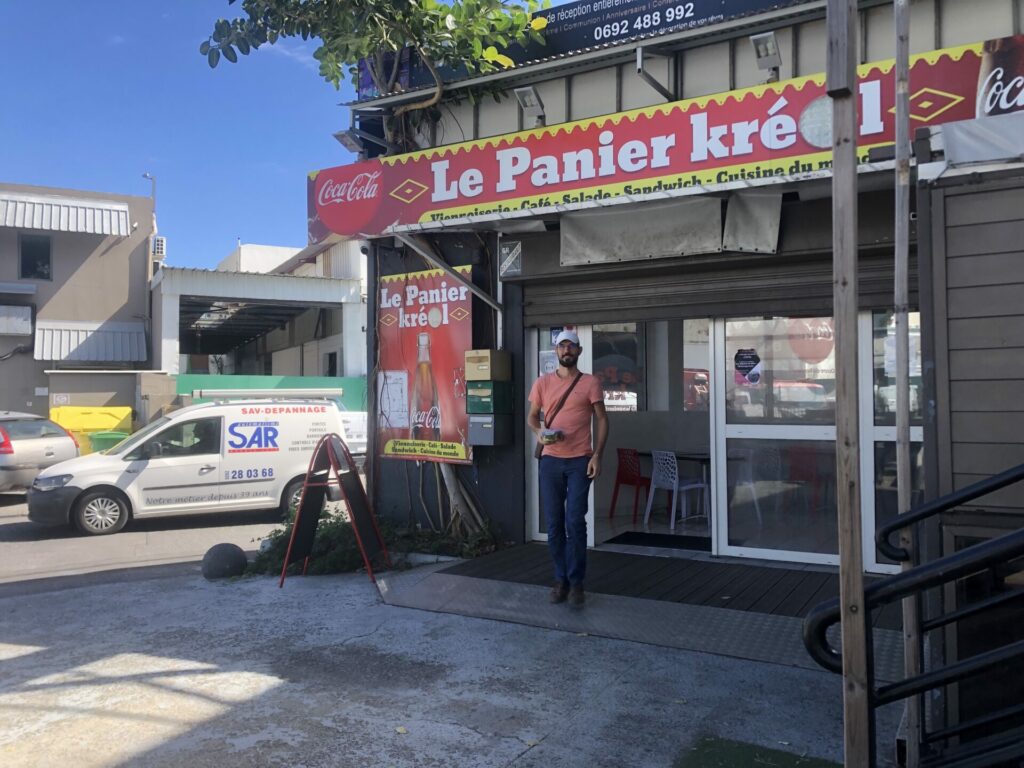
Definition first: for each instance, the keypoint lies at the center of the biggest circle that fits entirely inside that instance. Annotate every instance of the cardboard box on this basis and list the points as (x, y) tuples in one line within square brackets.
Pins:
[(488, 365), (489, 397), (490, 429)]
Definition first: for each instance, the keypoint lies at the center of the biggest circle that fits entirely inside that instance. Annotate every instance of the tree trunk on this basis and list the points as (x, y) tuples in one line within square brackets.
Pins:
[(464, 518)]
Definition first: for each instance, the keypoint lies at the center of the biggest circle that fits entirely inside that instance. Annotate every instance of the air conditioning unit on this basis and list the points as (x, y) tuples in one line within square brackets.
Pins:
[(159, 247)]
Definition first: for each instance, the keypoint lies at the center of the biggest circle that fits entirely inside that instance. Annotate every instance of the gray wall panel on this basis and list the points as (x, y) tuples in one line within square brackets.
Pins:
[(988, 301), (987, 333), (984, 207), (985, 238), (987, 269), (1005, 396), (986, 458), (1006, 500), (973, 427), (979, 328), (981, 364)]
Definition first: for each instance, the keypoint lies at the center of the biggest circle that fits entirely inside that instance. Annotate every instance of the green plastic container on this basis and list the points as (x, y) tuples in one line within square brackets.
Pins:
[(101, 441)]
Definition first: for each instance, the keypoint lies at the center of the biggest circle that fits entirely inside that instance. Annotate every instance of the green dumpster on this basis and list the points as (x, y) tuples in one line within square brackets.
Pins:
[(101, 441)]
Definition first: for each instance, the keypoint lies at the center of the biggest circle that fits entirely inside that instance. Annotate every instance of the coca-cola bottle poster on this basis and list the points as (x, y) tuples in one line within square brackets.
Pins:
[(424, 327)]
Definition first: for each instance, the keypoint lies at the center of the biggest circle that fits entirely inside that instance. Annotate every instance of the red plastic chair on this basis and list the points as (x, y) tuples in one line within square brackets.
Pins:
[(628, 473)]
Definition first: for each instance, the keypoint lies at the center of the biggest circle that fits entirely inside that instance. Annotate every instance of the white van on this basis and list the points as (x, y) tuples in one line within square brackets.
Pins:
[(212, 457)]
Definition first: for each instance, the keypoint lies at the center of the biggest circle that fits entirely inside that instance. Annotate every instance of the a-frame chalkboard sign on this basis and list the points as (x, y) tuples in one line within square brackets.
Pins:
[(332, 476)]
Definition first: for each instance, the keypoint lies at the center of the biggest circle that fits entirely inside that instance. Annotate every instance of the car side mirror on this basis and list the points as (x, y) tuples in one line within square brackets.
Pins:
[(153, 450)]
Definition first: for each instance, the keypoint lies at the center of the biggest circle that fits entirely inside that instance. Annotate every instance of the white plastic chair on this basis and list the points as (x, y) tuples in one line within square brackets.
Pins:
[(666, 475), (752, 467)]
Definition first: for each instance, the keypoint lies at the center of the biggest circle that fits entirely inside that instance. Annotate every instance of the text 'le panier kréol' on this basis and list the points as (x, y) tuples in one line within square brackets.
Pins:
[(777, 131), (431, 303)]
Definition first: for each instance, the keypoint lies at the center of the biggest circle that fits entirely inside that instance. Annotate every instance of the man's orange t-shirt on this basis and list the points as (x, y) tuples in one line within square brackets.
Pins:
[(573, 418)]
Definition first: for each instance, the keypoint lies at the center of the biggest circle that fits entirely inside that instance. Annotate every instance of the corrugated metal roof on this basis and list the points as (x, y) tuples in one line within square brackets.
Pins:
[(64, 214), (77, 341), (254, 288)]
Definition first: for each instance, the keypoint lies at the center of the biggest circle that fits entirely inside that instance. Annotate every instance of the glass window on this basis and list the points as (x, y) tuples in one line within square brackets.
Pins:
[(884, 367), (782, 495), (886, 506), (189, 438), (619, 365), (696, 364), (780, 370), (30, 429), (35, 258)]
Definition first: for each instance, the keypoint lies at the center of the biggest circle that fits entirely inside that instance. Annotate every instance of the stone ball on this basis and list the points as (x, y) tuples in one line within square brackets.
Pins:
[(222, 561)]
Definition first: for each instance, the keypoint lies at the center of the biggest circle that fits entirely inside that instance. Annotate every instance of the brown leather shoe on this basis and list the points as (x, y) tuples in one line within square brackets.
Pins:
[(576, 597), (559, 592)]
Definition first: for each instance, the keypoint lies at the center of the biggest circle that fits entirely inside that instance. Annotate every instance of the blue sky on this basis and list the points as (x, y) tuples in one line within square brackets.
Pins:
[(97, 92)]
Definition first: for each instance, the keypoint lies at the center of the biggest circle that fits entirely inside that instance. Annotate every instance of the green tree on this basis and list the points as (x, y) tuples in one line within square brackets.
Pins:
[(461, 33)]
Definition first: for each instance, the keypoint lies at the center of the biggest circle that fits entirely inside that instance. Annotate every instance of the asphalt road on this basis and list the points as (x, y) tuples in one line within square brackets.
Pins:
[(33, 552)]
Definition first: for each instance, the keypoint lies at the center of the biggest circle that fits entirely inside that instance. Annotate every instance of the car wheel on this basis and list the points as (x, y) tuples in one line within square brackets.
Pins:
[(98, 513), (291, 496)]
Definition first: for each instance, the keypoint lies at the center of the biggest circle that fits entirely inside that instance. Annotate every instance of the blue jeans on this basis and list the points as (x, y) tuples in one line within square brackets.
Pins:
[(564, 486)]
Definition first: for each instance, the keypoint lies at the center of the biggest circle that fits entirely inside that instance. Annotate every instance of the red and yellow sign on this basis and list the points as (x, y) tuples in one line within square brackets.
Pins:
[(424, 328), (778, 130)]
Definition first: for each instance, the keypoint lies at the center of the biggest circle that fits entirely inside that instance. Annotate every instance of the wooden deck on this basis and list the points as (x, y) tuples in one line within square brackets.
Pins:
[(739, 586)]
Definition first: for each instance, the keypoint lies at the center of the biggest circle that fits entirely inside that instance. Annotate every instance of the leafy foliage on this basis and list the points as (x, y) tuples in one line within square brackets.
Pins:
[(335, 549), (463, 32)]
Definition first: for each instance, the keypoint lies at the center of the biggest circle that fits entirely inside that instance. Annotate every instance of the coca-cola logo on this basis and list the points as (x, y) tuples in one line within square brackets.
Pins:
[(362, 187), (430, 419), (998, 97), (811, 338), (347, 204)]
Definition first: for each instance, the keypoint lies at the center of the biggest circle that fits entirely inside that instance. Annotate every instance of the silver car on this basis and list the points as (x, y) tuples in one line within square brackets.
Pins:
[(28, 444)]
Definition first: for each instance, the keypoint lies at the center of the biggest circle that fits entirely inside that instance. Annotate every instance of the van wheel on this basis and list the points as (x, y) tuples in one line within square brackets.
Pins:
[(98, 513), (290, 497)]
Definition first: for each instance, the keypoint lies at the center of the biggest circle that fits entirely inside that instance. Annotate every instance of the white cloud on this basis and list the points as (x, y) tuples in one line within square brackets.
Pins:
[(300, 54)]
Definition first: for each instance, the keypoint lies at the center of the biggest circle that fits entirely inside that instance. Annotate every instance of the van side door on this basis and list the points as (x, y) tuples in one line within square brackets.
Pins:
[(251, 472), (177, 470)]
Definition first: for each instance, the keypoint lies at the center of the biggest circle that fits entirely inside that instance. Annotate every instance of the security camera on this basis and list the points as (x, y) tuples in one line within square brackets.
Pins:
[(364, 250)]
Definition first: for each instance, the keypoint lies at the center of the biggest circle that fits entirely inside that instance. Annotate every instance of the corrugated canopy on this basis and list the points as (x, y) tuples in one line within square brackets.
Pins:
[(76, 341), (64, 214)]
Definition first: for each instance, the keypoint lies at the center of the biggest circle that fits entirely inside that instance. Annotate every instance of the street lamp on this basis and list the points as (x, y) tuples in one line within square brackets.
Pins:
[(766, 53), (152, 181), (530, 103)]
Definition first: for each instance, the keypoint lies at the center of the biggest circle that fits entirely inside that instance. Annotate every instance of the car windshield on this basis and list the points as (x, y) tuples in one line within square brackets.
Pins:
[(130, 442), (28, 429)]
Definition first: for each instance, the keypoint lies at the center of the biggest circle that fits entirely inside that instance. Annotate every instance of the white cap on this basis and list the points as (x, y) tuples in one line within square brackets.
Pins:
[(567, 336)]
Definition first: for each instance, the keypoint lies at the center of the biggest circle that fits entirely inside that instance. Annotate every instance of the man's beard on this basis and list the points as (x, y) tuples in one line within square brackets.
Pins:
[(571, 361)]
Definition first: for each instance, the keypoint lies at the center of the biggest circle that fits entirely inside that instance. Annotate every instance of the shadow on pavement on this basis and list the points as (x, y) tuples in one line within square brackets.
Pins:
[(28, 531), (119, 575)]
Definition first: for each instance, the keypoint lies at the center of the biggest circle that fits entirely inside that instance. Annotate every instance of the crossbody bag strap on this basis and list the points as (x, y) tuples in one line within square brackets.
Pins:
[(561, 401)]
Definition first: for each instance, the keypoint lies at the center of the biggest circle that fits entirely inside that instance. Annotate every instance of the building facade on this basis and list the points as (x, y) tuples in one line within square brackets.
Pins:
[(74, 298), (673, 206)]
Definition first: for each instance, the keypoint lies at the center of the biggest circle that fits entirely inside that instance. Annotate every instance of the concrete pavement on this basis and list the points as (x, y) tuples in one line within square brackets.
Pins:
[(175, 671)]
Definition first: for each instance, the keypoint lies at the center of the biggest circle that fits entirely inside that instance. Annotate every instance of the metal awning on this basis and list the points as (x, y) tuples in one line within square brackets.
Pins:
[(53, 213), (84, 342), (220, 311)]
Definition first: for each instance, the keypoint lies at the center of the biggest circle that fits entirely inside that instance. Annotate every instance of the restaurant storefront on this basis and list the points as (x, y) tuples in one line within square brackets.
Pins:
[(689, 245)]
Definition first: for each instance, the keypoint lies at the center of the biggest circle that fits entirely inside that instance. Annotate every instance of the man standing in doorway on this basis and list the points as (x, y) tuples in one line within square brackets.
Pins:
[(571, 459)]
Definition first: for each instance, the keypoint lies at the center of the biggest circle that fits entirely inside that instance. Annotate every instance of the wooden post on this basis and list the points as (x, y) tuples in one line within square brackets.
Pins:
[(911, 624), (859, 748)]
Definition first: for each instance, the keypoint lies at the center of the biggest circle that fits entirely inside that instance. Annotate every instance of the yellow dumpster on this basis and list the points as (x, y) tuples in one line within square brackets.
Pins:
[(82, 421)]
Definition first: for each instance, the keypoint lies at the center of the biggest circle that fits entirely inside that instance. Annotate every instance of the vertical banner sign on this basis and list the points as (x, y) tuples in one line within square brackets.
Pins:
[(424, 327)]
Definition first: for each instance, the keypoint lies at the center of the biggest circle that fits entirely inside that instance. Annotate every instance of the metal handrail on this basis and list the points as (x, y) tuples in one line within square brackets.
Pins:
[(967, 561), (942, 504), (993, 556)]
